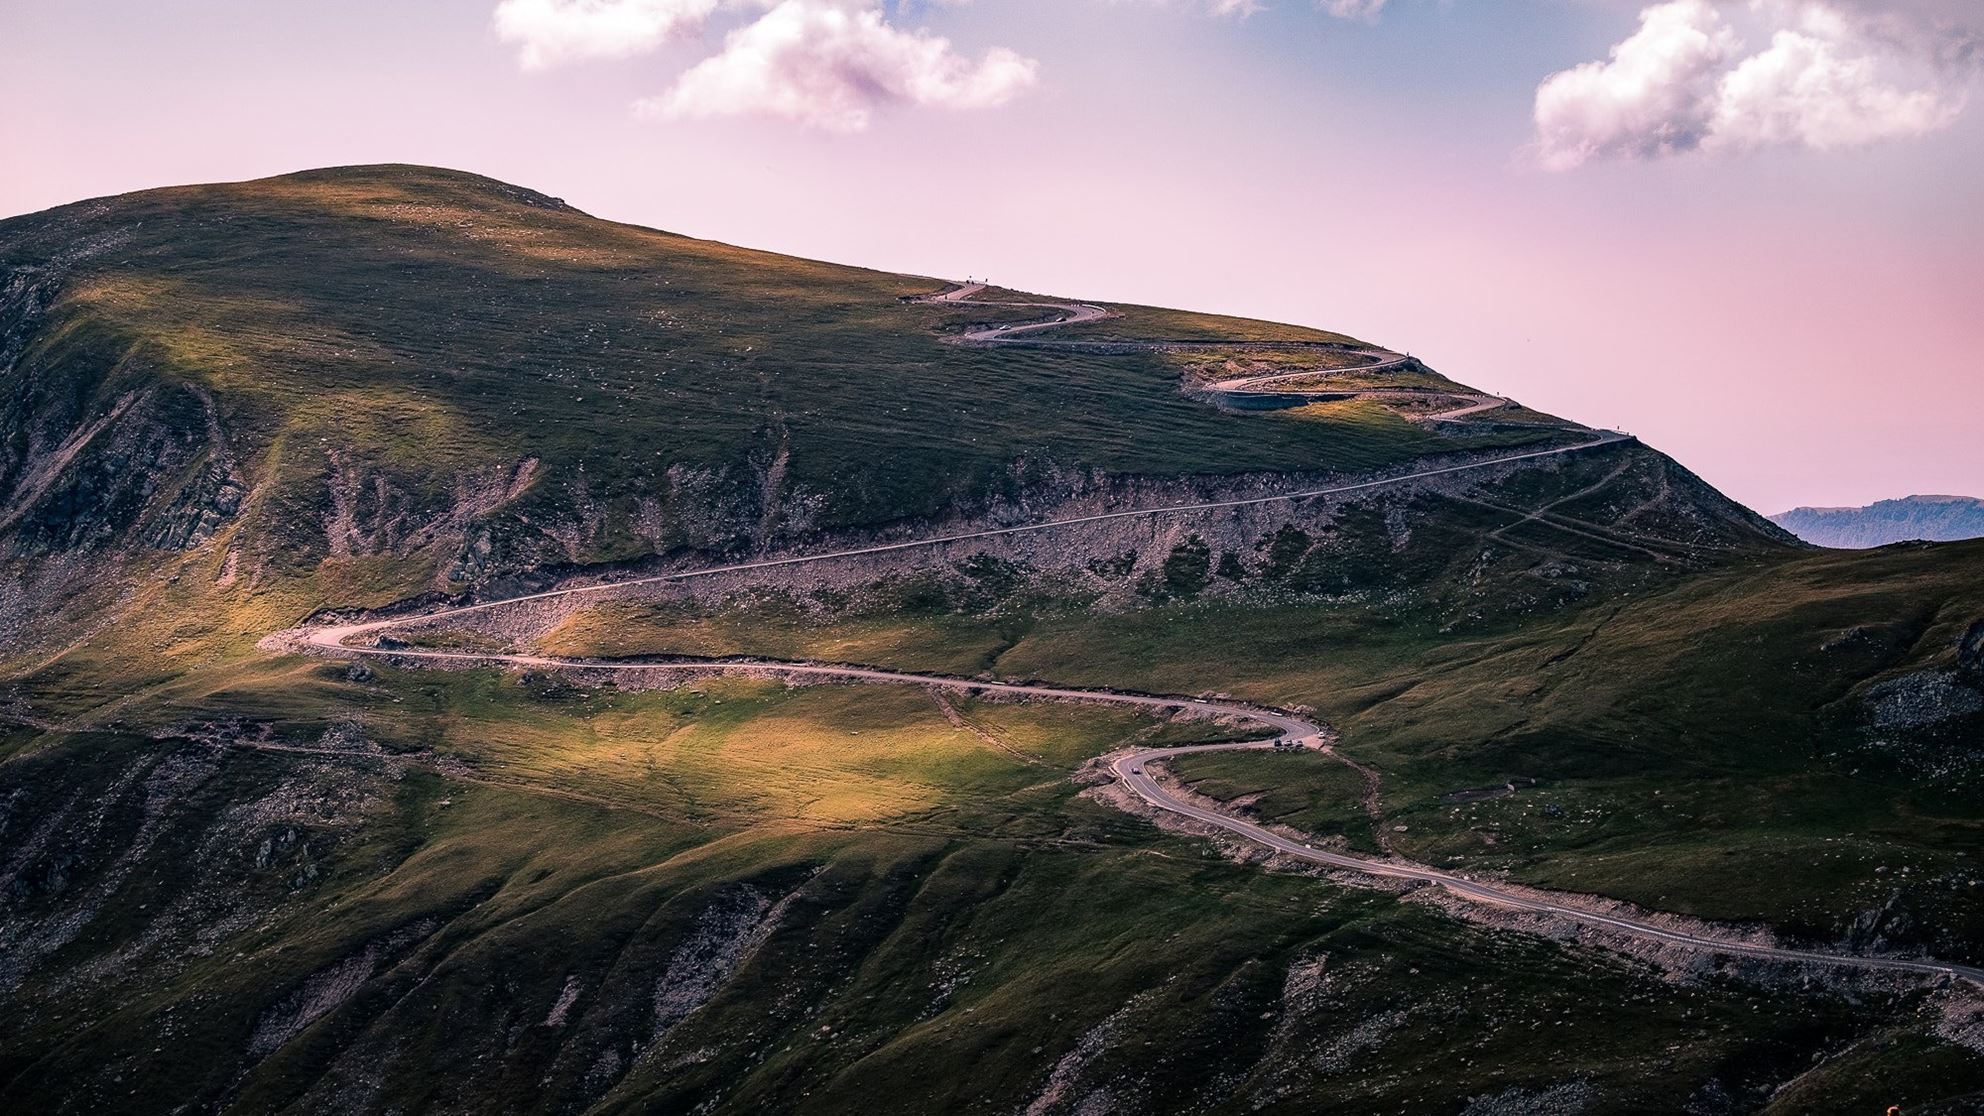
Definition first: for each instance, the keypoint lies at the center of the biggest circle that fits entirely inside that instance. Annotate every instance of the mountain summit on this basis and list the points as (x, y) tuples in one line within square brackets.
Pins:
[(462, 381)]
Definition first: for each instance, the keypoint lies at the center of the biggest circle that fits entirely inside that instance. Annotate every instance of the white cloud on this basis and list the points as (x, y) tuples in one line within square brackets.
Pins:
[(548, 32), (1809, 90), (1946, 32), (1210, 7), (1683, 83), (1653, 97), (1366, 10), (819, 63)]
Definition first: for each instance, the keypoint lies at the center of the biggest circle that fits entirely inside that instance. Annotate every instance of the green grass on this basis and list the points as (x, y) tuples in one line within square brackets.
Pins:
[(423, 380), (913, 967), (427, 330), (497, 391), (1691, 741), (590, 831), (1307, 791)]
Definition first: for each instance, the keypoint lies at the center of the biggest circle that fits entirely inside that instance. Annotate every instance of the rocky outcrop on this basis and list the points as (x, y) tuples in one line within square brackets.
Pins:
[(1921, 699), (1970, 652), (97, 450), (730, 930), (1388, 544), (1932, 721), (144, 472), (328, 989)]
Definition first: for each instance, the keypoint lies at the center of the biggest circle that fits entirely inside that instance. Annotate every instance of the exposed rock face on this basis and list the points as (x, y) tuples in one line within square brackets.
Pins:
[(1970, 652), (96, 450), (1921, 699), (1925, 518), (328, 989), (1568, 1099), (1345, 547), (1933, 720), (726, 935), (149, 471)]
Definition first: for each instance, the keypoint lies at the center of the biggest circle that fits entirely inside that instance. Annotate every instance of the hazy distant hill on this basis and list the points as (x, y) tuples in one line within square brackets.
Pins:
[(1935, 518)]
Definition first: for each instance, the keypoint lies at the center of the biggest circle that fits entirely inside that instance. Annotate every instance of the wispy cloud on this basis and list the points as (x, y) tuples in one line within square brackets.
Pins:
[(825, 63), (550, 32), (1366, 10), (819, 63), (1684, 81)]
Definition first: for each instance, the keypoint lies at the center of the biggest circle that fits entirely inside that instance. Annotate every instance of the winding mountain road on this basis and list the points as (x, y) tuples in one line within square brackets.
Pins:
[(1133, 769), (1241, 390)]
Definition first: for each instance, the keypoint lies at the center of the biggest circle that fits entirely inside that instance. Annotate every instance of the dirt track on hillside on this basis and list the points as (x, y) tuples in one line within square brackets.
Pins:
[(1130, 770)]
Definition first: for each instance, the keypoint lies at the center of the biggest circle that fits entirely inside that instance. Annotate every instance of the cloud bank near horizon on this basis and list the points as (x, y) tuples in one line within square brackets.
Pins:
[(1832, 76)]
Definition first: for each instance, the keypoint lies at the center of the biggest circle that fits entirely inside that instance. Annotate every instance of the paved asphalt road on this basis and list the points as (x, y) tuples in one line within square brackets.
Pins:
[(1132, 769)]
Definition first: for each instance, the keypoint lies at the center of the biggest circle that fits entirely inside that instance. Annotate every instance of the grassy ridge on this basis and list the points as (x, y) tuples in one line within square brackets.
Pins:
[(430, 330), (347, 387)]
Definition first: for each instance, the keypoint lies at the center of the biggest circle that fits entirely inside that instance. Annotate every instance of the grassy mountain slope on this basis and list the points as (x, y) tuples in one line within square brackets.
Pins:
[(393, 360), (595, 906), (1790, 737), (356, 385), (242, 881)]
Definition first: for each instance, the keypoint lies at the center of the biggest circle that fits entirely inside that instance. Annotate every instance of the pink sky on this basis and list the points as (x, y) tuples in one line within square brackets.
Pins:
[(1784, 297)]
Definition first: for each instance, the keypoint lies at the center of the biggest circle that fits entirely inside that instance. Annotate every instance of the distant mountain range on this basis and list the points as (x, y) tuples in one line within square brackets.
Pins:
[(1934, 518)]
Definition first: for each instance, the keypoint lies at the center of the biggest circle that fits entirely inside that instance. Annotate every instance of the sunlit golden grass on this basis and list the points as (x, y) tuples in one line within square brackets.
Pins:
[(1212, 364), (184, 641), (722, 751), (1369, 413), (913, 641), (1136, 322), (740, 751), (1733, 694), (224, 337)]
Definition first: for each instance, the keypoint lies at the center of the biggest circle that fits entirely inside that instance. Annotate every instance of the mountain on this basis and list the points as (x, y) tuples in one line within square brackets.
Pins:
[(371, 361), (731, 652), (1913, 518)]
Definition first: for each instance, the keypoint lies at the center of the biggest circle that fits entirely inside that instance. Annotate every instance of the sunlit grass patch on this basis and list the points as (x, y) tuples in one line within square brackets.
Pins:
[(919, 640), (729, 751)]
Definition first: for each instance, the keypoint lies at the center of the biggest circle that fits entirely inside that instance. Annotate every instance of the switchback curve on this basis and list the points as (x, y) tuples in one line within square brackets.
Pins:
[(1244, 391)]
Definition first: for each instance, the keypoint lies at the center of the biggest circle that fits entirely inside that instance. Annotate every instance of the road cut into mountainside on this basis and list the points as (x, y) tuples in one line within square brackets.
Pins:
[(1133, 769)]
